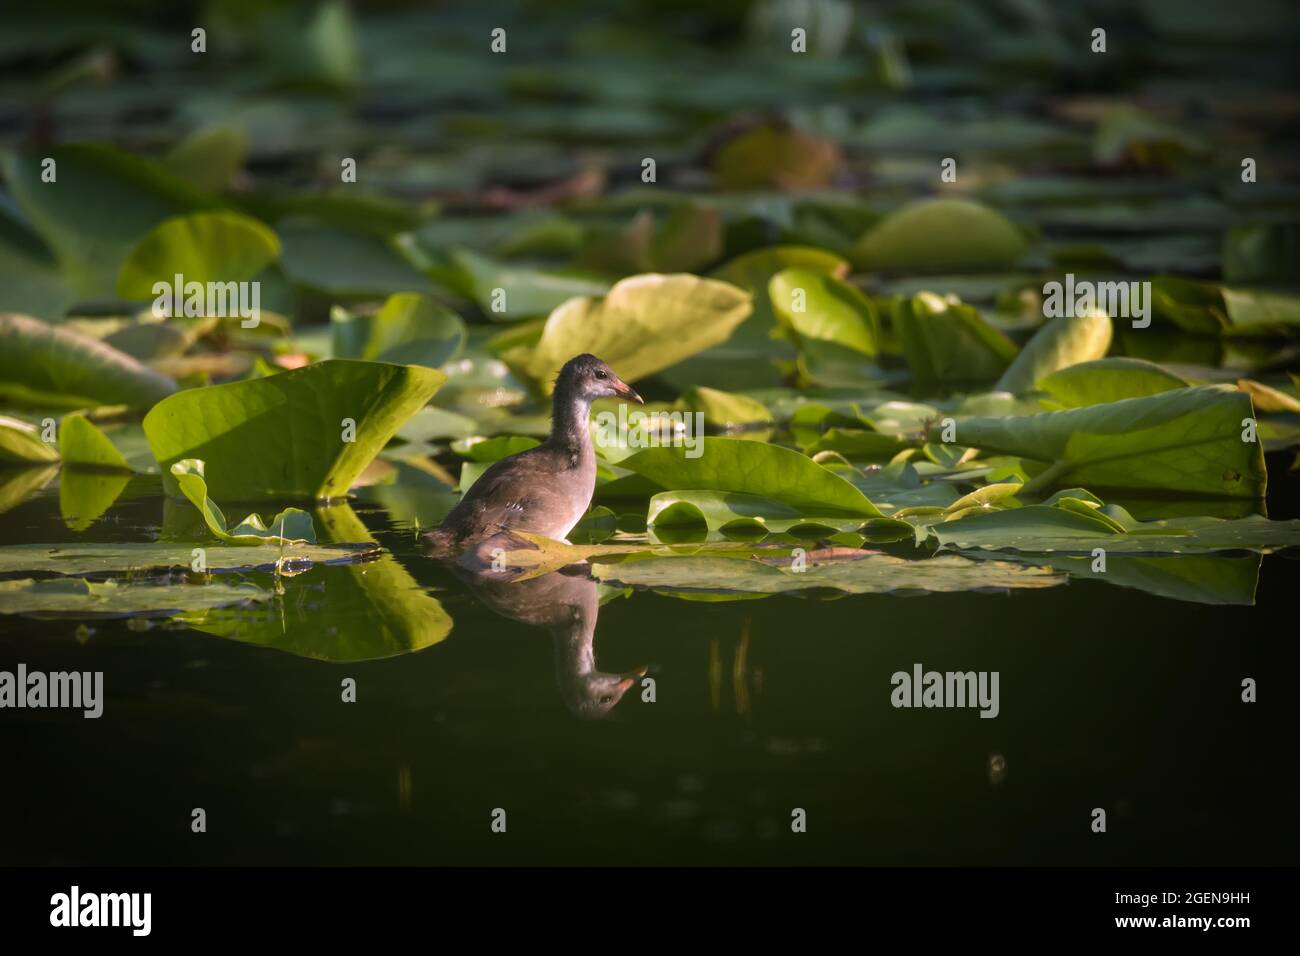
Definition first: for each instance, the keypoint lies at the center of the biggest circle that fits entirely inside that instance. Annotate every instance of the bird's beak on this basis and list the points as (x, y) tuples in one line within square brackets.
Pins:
[(627, 391), (631, 677)]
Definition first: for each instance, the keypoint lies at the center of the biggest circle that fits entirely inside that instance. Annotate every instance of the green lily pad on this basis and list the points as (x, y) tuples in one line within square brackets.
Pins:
[(21, 444), (869, 574), (645, 323), (83, 445), (1108, 380), (409, 329), (47, 365), (291, 526), (821, 307), (752, 272), (734, 512), (103, 201), (1062, 342), (78, 598), (366, 611), (940, 235), (753, 468), (297, 419), (102, 558), (201, 247), (946, 341), (723, 409), (1186, 441)]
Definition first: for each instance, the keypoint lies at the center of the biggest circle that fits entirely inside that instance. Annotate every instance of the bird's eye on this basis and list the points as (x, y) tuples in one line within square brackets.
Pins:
[(600, 374)]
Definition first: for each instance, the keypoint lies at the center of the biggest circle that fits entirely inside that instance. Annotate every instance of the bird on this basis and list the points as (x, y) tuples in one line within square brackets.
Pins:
[(546, 489)]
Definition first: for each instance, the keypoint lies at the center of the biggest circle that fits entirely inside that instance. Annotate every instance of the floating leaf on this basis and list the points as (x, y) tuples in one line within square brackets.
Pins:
[(723, 409), (752, 272), (20, 443), (1069, 526), (299, 415), (645, 323), (737, 513), (754, 468), (1062, 342), (77, 598), (102, 558), (870, 573), (1109, 380), (291, 526), (821, 307), (104, 201), (409, 329), (1187, 441), (83, 445), (204, 247), (940, 235), (776, 154), (42, 364), (209, 157), (946, 341)]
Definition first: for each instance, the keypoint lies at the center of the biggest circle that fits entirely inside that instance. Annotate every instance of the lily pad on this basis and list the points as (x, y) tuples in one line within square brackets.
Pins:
[(291, 526), (83, 445), (822, 307), (753, 468), (946, 341), (46, 365), (645, 323), (409, 329), (1062, 342), (301, 415), (940, 235), (1109, 380), (21, 444), (1185, 441), (201, 247), (78, 598), (102, 558), (870, 573)]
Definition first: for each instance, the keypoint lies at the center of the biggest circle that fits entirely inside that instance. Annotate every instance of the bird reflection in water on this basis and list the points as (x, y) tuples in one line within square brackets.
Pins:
[(564, 602)]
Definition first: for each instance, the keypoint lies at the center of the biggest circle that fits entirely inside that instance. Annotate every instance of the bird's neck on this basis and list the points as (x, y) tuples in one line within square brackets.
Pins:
[(569, 424)]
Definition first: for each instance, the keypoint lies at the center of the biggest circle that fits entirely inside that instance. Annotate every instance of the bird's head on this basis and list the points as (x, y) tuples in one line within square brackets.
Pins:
[(587, 377)]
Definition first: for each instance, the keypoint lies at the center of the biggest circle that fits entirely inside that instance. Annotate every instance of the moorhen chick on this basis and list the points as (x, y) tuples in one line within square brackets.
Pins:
[(545, 490)]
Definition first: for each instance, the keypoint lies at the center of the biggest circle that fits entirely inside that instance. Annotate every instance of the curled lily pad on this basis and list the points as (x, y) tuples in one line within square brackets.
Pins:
[(291, 526), (946, 341)]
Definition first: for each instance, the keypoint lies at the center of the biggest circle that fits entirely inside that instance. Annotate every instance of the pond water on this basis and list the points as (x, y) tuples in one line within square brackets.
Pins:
[(473, 699)]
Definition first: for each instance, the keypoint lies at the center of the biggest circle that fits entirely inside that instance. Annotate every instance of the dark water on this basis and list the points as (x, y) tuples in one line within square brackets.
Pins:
[(1109, 698)]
